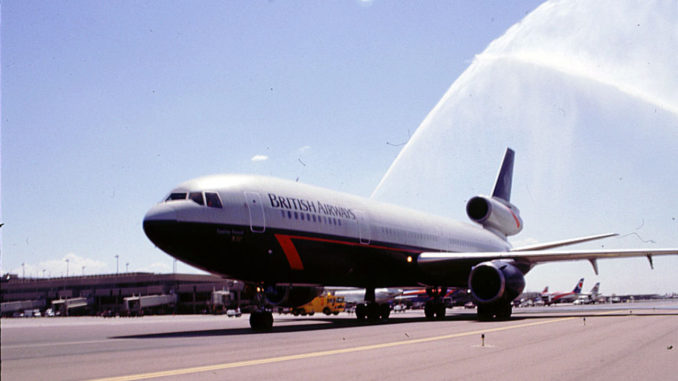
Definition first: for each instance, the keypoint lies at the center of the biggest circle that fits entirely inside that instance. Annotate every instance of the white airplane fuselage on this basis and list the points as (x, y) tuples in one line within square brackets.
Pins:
[(265, 229)]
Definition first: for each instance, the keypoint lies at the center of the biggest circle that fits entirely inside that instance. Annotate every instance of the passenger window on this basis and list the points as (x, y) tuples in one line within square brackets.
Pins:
[(176, 196), (213, 200), (197, 198)]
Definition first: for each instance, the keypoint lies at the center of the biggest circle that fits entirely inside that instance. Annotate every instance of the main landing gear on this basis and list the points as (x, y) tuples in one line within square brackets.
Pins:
[(371, 310), (261, 319), (435, 308), (497, 311)]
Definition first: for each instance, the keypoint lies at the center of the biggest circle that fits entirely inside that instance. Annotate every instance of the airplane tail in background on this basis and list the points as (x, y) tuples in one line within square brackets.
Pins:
[(596, 289), (579, 286), (546, 290)]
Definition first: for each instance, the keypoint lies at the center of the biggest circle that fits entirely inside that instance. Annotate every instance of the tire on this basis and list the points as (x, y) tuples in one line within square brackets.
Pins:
[(429, 311), (361, 311)]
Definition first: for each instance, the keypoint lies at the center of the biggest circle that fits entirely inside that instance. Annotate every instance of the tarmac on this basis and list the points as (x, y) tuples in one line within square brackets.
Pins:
[(602, 342)]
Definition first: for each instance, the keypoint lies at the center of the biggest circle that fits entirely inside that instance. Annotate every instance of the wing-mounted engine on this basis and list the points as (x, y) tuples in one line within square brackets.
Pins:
[(494, 285), (290, 296), (495, 214)]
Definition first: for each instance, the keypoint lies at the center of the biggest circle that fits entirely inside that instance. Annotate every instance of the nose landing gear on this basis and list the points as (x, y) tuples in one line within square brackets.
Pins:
[(261, 319), (435, 308), (371, 310)]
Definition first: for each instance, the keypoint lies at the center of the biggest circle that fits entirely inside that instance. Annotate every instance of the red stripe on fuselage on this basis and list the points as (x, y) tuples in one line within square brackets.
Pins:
[(295, 260), (334, 241), (290, 252)]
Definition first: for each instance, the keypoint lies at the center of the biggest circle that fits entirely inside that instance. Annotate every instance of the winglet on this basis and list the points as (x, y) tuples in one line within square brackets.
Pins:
[(502, 187)]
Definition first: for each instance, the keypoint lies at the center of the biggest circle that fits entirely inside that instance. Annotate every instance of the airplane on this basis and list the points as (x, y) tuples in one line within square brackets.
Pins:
[(291, 239), (565, 296), (420, 296), (591, 297)]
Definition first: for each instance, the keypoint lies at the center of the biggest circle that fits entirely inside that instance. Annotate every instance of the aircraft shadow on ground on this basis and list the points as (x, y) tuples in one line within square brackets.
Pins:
[(331, 323)]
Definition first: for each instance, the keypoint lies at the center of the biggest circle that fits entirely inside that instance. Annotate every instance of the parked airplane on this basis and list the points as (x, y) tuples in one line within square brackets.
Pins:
[(357, 295), (590, 297), (565, 296), (292, 239), (419, 297)]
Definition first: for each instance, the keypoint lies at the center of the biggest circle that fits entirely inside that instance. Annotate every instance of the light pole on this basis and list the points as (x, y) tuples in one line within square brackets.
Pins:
[(23, 270), (83, 270), (43, 272), (116, 263), (127, 267), (67, 260)]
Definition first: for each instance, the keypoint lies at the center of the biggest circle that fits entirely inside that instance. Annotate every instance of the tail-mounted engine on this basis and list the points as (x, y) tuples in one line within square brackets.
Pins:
[(290, 296), (495, 214), (495, 281)]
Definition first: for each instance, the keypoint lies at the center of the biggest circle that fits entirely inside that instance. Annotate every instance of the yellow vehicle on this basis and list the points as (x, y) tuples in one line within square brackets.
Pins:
[(327, 304)]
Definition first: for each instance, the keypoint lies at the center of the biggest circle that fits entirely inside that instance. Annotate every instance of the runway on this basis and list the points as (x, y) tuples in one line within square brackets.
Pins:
[(629, 341)]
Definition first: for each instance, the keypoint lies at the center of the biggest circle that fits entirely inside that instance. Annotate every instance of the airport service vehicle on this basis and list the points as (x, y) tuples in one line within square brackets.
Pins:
[(291, 240), (327, 304)]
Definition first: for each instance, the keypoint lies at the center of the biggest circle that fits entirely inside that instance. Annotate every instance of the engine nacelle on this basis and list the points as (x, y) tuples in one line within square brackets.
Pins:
[(495, 281), (495, 214), (290, 296)]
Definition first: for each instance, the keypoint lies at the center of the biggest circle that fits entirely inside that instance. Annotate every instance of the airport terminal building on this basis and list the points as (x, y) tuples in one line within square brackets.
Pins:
[(119, 294)]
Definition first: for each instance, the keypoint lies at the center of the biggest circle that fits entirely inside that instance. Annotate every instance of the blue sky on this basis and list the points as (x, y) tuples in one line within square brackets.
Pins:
[(108, 105)]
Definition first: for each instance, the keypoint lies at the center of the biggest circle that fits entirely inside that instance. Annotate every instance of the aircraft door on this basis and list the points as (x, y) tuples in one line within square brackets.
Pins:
[(256, 211), (363, 227)]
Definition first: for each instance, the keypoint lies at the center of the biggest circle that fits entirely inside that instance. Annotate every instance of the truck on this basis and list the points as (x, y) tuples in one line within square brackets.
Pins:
[(327, 304)]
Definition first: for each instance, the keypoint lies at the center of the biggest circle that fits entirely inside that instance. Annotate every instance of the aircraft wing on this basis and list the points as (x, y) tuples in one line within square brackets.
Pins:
[(534, 257)]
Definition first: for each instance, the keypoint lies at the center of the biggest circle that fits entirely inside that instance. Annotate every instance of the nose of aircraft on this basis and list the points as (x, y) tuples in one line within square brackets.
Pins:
[(156, 222), (160, 212)]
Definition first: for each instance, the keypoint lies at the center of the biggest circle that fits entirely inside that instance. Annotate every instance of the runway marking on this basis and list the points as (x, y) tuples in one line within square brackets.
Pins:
[(238, 364)]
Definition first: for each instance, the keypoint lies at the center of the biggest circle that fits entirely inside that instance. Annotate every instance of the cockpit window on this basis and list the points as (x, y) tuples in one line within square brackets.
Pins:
[(197, 198), (213, 200), (176, 196)]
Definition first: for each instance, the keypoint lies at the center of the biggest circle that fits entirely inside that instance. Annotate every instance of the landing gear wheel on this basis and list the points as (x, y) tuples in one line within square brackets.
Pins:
[(373, 311), (361, 311), (434, 310), (499, 312), (384, 311), (428, 311), (483, 313), (261, 320), (440, 311), (503, 312)]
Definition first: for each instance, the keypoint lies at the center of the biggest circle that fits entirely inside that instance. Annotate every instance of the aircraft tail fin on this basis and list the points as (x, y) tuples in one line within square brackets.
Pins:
[(579, 286), (496, 213), (596, 289), (502, 186)]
